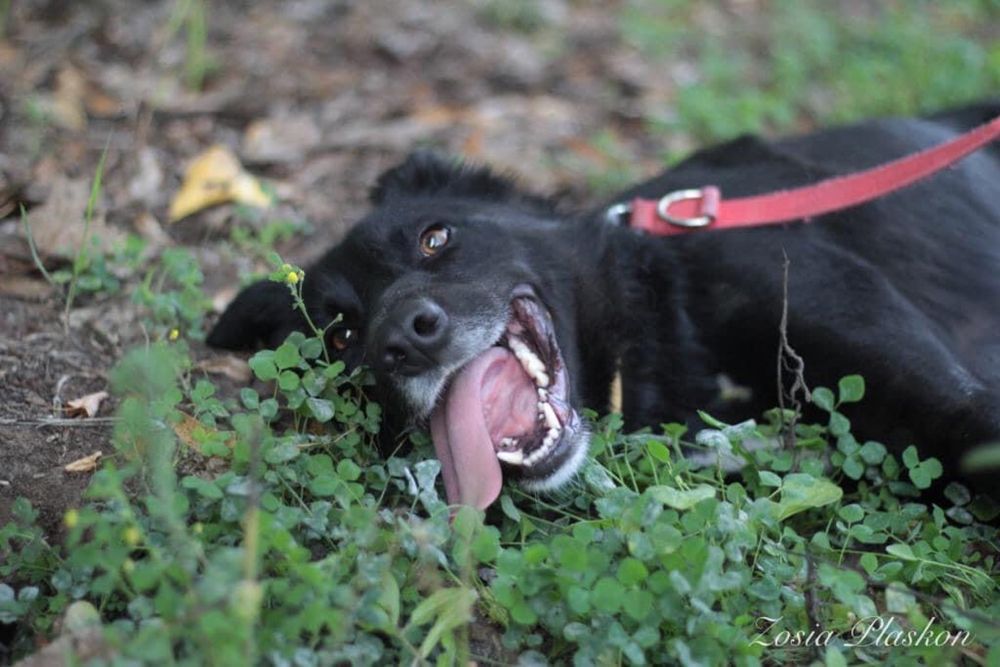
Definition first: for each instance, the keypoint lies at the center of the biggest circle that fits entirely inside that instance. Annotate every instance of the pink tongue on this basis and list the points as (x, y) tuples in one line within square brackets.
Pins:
[(462, 438)]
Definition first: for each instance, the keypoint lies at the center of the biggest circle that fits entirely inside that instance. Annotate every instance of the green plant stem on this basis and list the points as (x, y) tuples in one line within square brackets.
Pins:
[(34, 250), (95, 192)]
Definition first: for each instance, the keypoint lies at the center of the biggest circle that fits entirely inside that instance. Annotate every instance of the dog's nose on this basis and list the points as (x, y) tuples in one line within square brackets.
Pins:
[(414, 333)]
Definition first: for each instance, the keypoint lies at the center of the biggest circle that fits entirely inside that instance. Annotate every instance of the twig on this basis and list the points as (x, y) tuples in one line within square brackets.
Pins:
[(56, 421), (809, 592), (789, 361)]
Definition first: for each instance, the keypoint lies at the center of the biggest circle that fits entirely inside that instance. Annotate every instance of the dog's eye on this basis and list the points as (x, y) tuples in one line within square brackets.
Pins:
[(433, 239), (342, 338)]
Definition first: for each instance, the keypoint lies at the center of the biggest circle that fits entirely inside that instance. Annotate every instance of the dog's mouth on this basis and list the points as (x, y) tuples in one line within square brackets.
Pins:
[(509, 405)]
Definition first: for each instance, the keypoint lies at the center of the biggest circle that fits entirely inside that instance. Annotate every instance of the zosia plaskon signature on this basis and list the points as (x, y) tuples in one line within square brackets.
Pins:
[(868, 631)]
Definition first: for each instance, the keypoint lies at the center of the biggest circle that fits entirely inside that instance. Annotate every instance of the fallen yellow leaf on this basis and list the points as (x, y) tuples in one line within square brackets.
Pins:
[(216, 177), (86, 406), (86, 464)]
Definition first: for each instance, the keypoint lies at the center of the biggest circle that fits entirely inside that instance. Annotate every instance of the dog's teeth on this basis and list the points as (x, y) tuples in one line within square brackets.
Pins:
[(532, 365), (550, 415), (515, 457), (543, 394), (537, 454), (548, 444), (518, 347), (508, 443)]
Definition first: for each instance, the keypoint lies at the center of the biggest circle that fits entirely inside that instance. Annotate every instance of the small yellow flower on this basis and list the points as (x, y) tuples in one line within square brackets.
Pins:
[(174, 334), (197, 528), (291, 278), (132, 536), (71, 518)]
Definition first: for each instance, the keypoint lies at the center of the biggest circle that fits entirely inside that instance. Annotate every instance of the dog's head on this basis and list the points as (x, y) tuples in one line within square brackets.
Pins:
[(453, 290)]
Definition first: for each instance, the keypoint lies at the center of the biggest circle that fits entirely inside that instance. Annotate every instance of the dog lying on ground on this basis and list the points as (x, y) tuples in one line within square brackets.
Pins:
[(494, 318)]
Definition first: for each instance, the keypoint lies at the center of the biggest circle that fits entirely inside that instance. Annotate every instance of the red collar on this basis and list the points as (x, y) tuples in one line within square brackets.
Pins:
[(689, 210)]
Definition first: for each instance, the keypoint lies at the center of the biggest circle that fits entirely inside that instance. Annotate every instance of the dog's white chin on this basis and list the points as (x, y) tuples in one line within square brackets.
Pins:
[(567, 471), (421, 393)]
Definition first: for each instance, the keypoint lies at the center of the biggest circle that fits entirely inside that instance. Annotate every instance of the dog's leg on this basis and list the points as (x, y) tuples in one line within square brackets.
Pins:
[(915, 378)]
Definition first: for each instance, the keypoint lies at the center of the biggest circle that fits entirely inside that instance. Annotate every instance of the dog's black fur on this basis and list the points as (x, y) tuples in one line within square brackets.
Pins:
[(904, 290)]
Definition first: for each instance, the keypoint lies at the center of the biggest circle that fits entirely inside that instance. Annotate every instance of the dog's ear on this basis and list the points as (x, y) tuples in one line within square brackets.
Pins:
[(262, 314), (425, 173)]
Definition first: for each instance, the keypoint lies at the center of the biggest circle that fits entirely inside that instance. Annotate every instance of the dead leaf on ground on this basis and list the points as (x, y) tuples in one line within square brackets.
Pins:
[(22, 287), (67, 100), (101, 104), (216, 177), (86, 464), (86, 406), (146, 183), (192, 432), (58, 226), (284, 138), (12, 183), (150, 229), (231, 366), (222, 299)]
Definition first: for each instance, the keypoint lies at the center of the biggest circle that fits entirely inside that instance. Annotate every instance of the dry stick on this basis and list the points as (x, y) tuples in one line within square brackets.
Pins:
[(809, 592), (789, 361), (74, 421)]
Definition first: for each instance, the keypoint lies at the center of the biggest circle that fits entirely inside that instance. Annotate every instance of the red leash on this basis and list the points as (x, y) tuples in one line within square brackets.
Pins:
[(689, 210)]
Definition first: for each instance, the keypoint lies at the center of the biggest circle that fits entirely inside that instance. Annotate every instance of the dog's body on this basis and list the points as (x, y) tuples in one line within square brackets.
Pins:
[(454, 273)]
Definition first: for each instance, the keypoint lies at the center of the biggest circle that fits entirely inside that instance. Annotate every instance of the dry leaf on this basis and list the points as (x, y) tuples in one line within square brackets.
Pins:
[(150, 229), (57, 226), (222, 299), (86, 464), (231, 366), (146, 183), (283, 138), (22, 287), (99, 103), (216, 177), (190, 432), (67, 100), (86, 406)]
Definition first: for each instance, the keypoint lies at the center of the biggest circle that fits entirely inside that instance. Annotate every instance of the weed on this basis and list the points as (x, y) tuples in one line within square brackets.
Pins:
[(525, 16), (607, 167), (792, 62), (311, 547), (39, 264), (82, 257), (260, 243), (4, 16), (191, 16), (171, 293), (91, 270)]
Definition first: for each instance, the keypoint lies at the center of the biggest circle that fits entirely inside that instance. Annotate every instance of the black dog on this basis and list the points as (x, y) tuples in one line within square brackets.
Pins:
[(494, 317)]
